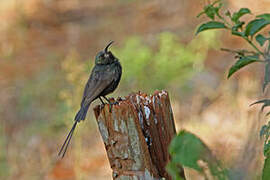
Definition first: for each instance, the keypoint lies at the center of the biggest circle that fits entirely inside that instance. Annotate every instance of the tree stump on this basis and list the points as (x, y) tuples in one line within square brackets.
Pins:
[(136, 134)]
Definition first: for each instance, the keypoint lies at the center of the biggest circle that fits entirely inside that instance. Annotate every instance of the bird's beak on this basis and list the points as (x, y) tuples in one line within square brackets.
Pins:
[(106, 48)]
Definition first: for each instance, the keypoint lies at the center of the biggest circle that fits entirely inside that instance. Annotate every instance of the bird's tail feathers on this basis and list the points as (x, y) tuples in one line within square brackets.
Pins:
[(81, 114), (67, 141)]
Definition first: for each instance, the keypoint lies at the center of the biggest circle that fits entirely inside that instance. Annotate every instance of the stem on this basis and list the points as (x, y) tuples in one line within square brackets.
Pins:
[(253, 45), (238, 51), (224, 20), (248, 40), (268, 49), (241, 52)]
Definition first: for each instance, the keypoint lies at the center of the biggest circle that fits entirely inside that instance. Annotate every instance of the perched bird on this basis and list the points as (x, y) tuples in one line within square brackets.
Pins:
[(103, 80)]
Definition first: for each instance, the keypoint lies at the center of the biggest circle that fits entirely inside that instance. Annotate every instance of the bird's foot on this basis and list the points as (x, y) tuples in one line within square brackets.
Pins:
[(110, 107), (111, 104)]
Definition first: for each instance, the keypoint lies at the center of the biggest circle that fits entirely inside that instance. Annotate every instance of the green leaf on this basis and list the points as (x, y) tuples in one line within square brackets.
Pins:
[(261, 39), (265, 16), (211, 25), (237, 26), (255, 26), (242, 62), (240, 13), (266, 149), (237, 33), (266, 169), (173, 170), (266, 102), (266, 75), (186, 149), (210, 11), (264, 130), (268, 48)]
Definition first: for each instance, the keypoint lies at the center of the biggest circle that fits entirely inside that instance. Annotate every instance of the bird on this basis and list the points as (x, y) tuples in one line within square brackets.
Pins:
[(103, 80)]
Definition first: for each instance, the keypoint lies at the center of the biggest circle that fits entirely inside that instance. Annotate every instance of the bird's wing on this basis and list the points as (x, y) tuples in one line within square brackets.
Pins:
[(99, 80)]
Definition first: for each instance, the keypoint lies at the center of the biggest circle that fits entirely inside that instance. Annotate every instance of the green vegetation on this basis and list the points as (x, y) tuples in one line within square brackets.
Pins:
[(170, 64), (4, 169), (234, 24), (187, 149)]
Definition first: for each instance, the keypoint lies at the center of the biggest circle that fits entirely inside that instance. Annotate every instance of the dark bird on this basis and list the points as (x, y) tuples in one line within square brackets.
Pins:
[(103, 80)]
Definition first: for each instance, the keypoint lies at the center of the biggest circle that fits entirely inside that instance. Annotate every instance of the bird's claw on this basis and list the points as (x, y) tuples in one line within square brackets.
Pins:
[(111, 104), (110, 108)]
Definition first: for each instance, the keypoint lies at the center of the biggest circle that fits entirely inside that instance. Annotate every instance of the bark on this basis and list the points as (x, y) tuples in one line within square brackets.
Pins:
[(136, 135)]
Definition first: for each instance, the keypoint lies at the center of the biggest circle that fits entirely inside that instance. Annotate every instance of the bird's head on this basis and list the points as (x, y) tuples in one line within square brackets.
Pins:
[(105, 56)]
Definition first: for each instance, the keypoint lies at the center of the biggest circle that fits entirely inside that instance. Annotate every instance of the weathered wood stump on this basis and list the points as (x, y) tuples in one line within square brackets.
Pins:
[(136, 134)]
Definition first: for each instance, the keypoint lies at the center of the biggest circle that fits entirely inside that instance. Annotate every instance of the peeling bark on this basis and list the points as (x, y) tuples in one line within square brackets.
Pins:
[(137, 134)]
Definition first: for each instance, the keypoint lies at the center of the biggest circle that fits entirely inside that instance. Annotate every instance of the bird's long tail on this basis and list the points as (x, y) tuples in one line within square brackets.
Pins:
[(67, 141), (79, 116)]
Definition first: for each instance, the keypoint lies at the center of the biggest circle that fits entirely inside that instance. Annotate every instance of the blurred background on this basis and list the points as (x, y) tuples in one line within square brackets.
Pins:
[(47, 50)]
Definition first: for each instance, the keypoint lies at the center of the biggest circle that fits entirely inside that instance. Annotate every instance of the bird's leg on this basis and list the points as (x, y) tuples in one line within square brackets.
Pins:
[(106, 99), (101, 100), (110, 103)]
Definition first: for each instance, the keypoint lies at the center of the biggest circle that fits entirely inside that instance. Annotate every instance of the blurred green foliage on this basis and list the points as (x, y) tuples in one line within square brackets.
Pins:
[(186, 149), (167, 65), (266, 169), (38, 102)]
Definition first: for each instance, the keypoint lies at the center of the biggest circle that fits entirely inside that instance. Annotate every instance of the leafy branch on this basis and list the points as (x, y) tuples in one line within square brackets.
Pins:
[(186, 149), (234, 24), (260, 52)]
